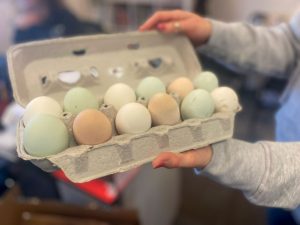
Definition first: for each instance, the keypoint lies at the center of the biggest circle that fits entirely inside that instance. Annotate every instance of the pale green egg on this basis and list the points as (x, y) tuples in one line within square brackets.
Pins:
[(78, 99), (150, 86), (207, 81), (197, 104), (45, 135)]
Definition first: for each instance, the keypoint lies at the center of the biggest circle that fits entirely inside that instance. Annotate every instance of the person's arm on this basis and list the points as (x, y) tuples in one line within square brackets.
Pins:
[(259, 50), (267, 172), (253, 50)]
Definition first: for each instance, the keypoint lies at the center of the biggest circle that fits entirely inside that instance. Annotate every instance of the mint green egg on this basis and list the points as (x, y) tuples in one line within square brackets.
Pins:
[(78, 99), (45, 135), (197, 104), (150, 86), (207, 81)]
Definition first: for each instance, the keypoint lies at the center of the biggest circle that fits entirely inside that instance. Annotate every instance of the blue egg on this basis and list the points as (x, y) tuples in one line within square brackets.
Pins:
[(197, 104)]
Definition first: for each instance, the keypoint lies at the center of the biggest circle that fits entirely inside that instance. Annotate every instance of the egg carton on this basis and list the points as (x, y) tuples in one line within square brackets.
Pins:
[(52, 67)]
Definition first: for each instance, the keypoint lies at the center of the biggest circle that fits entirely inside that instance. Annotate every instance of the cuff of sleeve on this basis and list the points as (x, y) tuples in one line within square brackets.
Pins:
[(217, 160), (214, 41)]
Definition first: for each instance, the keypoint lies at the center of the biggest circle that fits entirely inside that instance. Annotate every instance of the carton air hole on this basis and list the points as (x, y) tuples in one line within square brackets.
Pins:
[(155, 63), (79, 52), (69, 77)]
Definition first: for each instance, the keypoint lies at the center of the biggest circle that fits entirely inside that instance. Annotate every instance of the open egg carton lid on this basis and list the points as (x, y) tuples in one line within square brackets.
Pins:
[(52, 67)]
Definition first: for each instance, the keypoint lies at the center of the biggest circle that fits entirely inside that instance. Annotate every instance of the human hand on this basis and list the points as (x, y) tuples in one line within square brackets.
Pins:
[(196, 28), (189, 159)]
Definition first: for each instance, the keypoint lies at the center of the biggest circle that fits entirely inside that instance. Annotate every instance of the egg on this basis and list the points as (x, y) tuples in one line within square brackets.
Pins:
[(197, 104), (78, 99), (118, 95), (45, 135), (150, 86), (181, 86), (91, 127), (164, 110), (44, 105), (226, 100), (207, 81), (133, 118)]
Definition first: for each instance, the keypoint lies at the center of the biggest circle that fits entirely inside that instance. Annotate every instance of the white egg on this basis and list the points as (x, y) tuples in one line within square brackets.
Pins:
[(41, 105), (133, 118), (226, 100), (118, 95)]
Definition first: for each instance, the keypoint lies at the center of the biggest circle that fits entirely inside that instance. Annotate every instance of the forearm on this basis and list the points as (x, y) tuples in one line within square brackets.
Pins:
[(252, 50), (268, 173)]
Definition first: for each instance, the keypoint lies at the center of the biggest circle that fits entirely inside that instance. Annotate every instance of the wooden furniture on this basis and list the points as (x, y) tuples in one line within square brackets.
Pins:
[(17, 211)]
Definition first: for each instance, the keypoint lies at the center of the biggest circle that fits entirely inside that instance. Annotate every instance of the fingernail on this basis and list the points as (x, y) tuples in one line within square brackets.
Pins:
[(159, 165), (161, 26)]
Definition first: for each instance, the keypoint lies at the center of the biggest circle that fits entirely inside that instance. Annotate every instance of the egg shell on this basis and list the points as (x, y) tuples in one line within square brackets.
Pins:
[(181, 86), (45, 135), (78, 99), (226, 99), (91, 127), (133, 118), (118, 95), (197, 104), (44, 105), (164, 110), (207, 81), (150, 86)]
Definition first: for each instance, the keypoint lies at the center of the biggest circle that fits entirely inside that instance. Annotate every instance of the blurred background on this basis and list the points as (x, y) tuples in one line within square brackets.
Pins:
[(31, 196)]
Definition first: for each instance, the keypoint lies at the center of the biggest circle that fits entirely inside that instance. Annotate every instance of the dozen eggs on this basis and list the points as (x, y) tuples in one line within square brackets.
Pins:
[(46, 133)]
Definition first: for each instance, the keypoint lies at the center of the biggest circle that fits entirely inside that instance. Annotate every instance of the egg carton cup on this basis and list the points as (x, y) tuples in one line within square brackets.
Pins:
[(52, 67), (124, 152)]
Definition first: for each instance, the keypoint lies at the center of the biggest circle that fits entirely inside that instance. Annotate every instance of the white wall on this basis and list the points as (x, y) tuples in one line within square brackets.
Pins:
[(235, 10)]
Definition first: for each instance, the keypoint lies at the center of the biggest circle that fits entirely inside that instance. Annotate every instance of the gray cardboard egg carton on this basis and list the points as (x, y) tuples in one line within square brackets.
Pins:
[(53, 67)]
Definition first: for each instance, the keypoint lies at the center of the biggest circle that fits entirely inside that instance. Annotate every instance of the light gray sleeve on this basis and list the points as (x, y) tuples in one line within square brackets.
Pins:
[(267, 172), (253, 50)]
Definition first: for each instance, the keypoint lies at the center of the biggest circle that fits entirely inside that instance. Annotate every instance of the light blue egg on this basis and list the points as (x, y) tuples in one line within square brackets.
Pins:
[(150, 86), (207, 81), (78, 99), (197, 104), (45, 135)]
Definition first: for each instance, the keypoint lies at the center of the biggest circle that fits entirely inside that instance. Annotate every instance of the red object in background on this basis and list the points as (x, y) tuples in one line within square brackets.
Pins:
[(102, 189), (3, 105)]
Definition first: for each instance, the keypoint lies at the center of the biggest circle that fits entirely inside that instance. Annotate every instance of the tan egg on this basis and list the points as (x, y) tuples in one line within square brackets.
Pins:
[(91, 127), (164, 110), (182, 86)]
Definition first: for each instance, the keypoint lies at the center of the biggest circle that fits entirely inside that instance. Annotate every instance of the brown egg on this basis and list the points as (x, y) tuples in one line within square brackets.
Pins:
[(91, 127), (181, 86), (164, 110)]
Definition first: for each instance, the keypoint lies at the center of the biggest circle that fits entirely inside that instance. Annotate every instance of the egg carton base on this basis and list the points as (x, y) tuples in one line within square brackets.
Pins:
[(124, 152)]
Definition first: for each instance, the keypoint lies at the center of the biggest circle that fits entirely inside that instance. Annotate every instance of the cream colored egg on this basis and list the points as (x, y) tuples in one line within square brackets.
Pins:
[(182, 86), (118, 95), (133, 118), (226, 100), (42, 105), (164, 110)]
